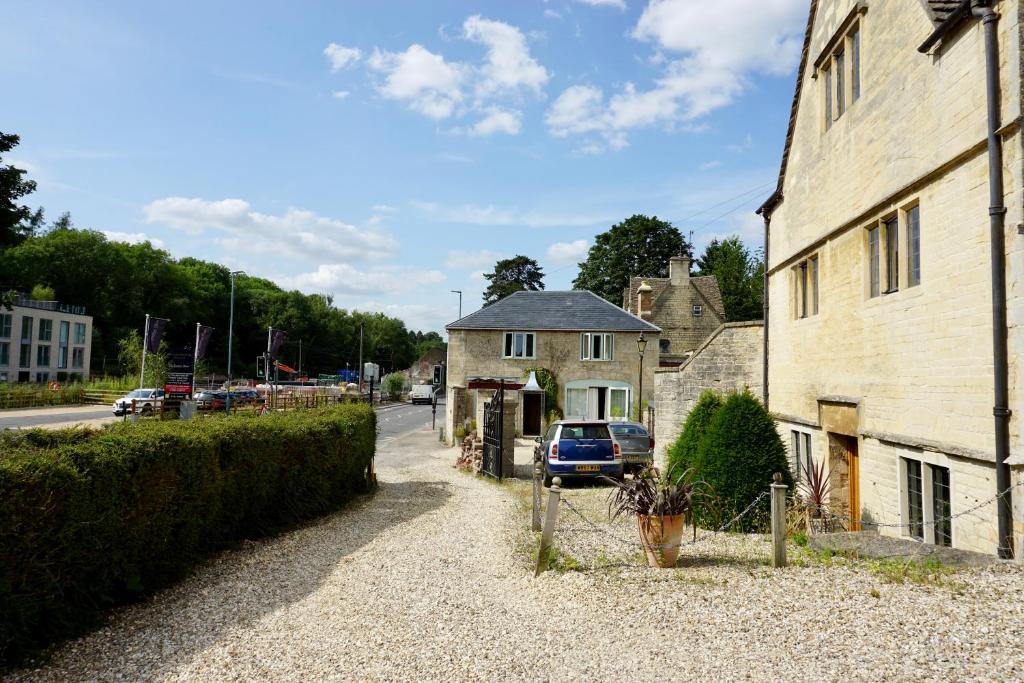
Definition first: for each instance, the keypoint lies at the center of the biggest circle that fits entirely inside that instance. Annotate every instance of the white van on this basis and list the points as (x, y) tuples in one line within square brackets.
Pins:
[(422, 393)]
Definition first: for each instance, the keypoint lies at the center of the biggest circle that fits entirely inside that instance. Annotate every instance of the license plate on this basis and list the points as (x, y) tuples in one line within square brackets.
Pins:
[(636, 458), (588, 468)]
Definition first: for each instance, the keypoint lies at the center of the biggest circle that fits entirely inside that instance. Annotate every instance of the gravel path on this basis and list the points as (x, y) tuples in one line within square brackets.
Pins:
[(429, 580)]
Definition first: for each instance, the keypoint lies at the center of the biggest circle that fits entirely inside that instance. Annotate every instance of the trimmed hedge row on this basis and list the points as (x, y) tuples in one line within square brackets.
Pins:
[(91, 519)]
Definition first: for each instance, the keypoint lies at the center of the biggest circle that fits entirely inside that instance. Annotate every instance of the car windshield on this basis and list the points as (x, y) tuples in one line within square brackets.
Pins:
[(140, 393), (628, 430), (585, 432)]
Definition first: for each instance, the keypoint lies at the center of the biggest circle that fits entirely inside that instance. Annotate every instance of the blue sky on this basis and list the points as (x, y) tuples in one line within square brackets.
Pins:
[(388, 152)]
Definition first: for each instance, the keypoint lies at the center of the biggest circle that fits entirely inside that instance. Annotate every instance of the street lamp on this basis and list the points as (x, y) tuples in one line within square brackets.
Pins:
[(641, 346), (231, 334), (459, 292)]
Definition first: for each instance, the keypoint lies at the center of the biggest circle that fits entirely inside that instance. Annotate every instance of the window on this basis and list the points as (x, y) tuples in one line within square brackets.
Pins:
[(79, 333), (828, 98), (806, 274), (45, 329), (915, 498), (839, 60), (520, 345), (941, 507), (892, 255), (78, 357), (43, 356), (5, 324), (618, 404), (913, 246), (62, 348), (800, 450), (25, 357), (874, 261), (663, 345), (42, 377), (576, 403), (855, 64), (26, 328), (5, 353), (596, 346), (698, 310)]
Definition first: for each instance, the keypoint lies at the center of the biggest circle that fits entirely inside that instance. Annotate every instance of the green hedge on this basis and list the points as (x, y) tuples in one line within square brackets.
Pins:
[(682, 454), (91, 519)]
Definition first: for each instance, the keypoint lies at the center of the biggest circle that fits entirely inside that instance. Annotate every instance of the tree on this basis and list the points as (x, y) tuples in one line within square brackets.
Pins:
[(739, 275), (639, 246), (129, 354), (512, 275), (15, 219), (393, 385), (683, 453)]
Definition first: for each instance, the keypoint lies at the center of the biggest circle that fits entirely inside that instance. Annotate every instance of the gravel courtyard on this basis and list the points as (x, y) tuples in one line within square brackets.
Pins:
[(430, 579)]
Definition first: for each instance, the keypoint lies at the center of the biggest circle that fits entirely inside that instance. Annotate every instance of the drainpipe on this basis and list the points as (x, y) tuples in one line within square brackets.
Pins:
[(997, 220), (764, 302)]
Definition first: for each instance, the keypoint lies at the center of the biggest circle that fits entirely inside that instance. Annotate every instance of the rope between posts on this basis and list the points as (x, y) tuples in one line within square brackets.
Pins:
[(907, 525), (633, 544)]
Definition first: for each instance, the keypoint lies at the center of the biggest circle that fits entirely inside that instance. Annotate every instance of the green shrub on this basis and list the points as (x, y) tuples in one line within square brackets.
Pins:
[(90, 519), (683, 453), (737, 458)]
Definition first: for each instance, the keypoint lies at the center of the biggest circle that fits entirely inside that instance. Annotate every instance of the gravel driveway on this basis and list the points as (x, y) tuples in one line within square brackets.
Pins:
[(429, 580)]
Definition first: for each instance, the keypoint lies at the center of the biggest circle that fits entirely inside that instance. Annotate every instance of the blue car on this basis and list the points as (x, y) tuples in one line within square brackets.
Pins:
[(580, 448)]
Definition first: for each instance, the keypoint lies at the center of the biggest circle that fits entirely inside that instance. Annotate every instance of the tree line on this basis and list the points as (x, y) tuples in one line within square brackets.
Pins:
[(120, 283), (641, 246)]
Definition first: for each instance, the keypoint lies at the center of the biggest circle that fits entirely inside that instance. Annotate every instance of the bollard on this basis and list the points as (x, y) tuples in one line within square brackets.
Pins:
[(778, 521), (538, 476), (135, 411), (550, 519)]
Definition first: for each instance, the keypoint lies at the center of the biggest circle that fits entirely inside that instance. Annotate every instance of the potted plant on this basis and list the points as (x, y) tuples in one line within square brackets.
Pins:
[(661, 505)]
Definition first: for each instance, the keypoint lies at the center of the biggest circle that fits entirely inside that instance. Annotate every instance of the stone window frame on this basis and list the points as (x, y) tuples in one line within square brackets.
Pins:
[(841, 65), (526, 336), (879, 265), (807, 287), (928, 462), (698, 310)]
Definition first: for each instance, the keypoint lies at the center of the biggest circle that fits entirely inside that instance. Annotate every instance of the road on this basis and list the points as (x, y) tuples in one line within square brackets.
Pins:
[(405, 419)]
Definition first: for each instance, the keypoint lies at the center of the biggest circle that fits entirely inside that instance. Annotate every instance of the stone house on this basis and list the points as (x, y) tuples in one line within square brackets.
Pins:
[(422, 371), (588, 344), (894, 344), (687, 309)]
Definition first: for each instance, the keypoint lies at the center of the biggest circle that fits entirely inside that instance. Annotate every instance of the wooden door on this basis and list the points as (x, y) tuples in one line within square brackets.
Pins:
[(844, 477)]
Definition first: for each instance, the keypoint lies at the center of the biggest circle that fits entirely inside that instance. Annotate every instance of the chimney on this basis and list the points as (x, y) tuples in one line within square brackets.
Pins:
[(643, 300), (679, 270)]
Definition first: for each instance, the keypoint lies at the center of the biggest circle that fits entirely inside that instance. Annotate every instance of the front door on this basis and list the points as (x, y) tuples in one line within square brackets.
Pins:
[(844, 476), (531, 414)]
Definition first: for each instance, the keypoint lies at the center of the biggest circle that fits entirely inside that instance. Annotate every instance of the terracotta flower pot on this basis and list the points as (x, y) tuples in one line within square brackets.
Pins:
[(661, 537)]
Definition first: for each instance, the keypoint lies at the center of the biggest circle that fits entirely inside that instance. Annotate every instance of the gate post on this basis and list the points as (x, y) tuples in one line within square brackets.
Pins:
[(538, 475), (778, 521), (550, 519)]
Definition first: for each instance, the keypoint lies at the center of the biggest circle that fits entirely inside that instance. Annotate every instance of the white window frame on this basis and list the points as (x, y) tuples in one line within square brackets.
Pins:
[(607, 346), (531, 336), (801, 451), (698, 310)]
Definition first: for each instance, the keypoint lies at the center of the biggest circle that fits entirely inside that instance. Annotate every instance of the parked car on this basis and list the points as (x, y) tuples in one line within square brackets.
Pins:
[(210, 399), (580, 448), (422, 393), (146, 400), (637, 445), (245, 397)]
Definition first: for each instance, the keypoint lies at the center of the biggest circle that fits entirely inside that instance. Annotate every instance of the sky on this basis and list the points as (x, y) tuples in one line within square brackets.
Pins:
[(389, 152)]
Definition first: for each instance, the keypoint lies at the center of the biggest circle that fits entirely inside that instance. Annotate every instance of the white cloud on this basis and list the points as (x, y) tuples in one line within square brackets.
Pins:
[(132, 238), (619, 4), (475, 214), (718, 47), (343, 278), (422, 79), (384, 208), (708, 165), (568, 252), (498, 120), (341, 56), (340, 94), (416, 316), (458, 259), (552, 14), (509, 64), (298, 233)]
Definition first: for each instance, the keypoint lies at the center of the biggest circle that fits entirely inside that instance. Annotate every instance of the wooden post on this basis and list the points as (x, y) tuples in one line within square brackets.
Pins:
[(550, 519), (538, 488), (778, 521)]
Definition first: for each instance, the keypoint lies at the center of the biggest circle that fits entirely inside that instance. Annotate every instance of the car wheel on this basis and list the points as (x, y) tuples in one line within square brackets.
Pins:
[(147, 409), (547, 479)]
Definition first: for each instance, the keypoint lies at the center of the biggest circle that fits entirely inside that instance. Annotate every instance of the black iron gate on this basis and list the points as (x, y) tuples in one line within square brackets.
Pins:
[(493, 433)]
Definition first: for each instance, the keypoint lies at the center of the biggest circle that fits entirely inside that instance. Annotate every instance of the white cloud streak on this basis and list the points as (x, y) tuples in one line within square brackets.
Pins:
[(568, 252), (344, 279), (341, 56)]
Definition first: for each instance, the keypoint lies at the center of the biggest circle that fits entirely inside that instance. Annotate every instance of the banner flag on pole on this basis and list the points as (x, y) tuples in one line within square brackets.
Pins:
[(203, 340), (276, 340), (155, 333)]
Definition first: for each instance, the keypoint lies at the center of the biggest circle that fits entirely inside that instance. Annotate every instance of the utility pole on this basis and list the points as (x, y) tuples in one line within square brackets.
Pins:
[(145, 340), (360, 368), (459, 292), (231, 336), (300, 358)]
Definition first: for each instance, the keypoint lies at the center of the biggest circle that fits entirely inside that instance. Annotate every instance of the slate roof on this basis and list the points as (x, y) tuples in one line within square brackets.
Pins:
[(706, 286), (553, 311)]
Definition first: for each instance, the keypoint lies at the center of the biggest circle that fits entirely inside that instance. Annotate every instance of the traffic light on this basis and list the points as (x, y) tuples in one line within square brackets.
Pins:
[(261, 366), (437, 374)]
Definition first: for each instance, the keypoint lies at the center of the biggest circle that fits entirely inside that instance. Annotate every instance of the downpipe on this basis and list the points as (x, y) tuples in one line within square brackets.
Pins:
[(997, 221), (764, 303)]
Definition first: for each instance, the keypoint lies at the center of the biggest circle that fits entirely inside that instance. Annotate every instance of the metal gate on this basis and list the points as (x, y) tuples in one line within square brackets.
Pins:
[(493, 433)]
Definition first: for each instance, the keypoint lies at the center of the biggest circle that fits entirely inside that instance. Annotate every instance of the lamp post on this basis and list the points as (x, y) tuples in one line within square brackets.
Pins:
[(459, 292), (641, 346), (231, 334)]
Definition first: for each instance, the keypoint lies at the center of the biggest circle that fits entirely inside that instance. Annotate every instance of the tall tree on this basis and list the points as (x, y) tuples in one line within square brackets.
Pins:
[(639, 246), (739, 274), (16, 220), (512, 275)]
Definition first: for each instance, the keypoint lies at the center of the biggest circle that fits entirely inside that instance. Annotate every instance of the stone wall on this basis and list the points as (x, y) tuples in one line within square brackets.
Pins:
[(730, 360)]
